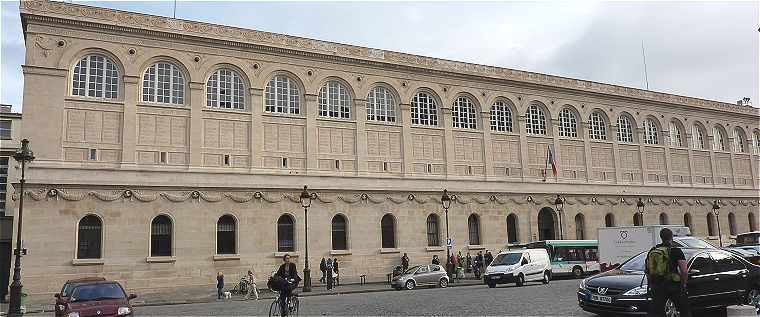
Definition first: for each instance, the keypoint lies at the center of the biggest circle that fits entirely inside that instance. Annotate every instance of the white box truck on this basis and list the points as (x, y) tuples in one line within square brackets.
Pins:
[(618, 244)]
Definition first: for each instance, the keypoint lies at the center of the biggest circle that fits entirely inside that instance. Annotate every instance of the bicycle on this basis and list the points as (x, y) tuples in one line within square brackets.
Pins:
[(242, 288), (276, 306)]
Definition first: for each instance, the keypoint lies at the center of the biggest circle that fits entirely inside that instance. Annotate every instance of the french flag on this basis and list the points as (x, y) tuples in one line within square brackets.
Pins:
[(550, 160)]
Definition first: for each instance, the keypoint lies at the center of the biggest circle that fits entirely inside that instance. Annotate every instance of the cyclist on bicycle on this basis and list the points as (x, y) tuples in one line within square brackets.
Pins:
[(289, 273)]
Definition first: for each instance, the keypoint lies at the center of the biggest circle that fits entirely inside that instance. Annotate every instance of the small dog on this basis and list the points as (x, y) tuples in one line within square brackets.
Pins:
[(227, 295)]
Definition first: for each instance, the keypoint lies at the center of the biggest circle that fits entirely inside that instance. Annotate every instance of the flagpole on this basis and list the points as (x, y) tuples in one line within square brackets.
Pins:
[(546, 163)]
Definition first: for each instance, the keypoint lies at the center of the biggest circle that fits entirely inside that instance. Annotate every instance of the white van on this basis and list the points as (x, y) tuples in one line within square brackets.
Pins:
[(519, 266)]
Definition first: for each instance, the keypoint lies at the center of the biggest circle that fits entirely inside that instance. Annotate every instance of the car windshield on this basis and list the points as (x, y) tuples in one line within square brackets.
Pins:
[(66, 289), (695, 243), (635, 264), (411, 270), (506, 259), (83, 293)]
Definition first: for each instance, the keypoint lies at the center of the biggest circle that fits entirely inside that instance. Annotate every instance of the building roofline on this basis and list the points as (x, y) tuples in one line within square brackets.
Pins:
[(125, 20)]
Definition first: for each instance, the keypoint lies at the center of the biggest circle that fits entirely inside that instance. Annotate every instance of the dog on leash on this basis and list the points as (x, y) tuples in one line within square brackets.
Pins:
[(227, 295)]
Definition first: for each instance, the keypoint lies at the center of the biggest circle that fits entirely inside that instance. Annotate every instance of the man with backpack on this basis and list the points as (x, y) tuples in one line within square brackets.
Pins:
[(666, 272)]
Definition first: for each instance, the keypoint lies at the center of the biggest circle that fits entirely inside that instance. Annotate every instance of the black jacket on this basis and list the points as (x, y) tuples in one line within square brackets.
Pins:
[(289, 271)]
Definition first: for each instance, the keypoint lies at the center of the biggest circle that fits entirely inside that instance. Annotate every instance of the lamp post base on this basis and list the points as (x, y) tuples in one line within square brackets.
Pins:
[(306, 280), (14, 307)]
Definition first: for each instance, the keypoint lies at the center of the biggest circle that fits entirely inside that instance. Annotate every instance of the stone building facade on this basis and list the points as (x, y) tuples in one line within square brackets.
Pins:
[(168, 150), (10, 131)]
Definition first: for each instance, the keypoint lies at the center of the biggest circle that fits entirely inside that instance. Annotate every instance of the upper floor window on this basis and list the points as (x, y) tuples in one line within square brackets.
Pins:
[(95, 76), (5, 129), (598, 128), (650, 132), (424, 109), (164, 83), (625, 129), (568, 124), (501, 117), (334, 101), (535, 121), (676, 139), (698, 137), (739, 137), (381, 105), (463, 115), (719, 139), (282, 95), (224, 89)]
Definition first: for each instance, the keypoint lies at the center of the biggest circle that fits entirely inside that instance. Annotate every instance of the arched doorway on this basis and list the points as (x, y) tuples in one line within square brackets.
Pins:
[(546, 227)]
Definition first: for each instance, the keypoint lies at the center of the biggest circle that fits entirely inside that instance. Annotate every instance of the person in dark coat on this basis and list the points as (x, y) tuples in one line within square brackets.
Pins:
[(488, 258), (219, 285), (405, 262), (435, 260), (323, 269), (337, 274), (468, 262), (329, 271), (289, 273)]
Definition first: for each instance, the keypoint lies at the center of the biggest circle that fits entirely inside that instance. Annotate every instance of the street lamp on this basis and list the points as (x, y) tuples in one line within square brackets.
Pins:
[(640, 210), (23, 155), (715, 211), (560, 204), (446, 204), (306, 198)]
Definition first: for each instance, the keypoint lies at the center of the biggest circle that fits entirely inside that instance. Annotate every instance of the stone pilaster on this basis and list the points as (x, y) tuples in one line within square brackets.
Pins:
[(311, 109), (257, 139), (361, 136), (197, 103), (448, 139), (406, 140), (129, 121), (485, 117)]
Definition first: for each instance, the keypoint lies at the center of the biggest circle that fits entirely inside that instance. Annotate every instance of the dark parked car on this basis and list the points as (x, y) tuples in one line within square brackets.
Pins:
[(100, 299), (62, 298), (716, 278), (751, 255)]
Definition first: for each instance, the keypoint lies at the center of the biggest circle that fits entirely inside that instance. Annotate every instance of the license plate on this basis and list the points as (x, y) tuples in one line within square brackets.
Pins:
[(603, 299)]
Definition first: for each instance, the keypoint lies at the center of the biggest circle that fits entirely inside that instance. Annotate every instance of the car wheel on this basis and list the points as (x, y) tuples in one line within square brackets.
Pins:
[(753, 299), (409, 285), (547, 278), (520, 280), (577, 272), (671, 310), (491, 285), (443, 283)]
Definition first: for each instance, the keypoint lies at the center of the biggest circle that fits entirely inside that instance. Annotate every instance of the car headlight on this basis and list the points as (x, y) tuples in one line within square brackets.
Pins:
[(73, 314), (638, 291), (582, 285), (123, 311)]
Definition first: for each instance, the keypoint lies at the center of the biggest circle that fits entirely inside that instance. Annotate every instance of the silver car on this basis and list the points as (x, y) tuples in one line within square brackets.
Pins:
[(421, 275)]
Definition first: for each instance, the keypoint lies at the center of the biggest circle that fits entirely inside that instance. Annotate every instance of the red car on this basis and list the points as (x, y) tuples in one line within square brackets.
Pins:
[(96, 298), (62, 298)]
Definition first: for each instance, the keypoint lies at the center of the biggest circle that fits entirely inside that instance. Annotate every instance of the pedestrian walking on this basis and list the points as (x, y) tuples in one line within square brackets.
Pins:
[(252, 285), (468, 261), (329, 272), (488, 258), (405, 262), (667, 276), (435, 260), (219, 285), (323, 269), (336, 275)]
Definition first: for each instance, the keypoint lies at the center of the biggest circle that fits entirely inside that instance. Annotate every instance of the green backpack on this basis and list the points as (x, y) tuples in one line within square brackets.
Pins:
[(657, 265)]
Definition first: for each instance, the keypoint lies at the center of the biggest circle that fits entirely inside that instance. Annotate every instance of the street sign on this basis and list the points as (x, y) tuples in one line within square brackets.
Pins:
[(449, 242)]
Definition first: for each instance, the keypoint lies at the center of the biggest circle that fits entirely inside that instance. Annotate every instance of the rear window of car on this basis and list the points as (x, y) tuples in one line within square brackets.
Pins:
[(94, 292)]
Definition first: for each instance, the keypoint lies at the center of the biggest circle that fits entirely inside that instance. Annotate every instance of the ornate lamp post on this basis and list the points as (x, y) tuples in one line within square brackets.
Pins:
[(306, 198), (446, 204), (23, 155), (560, 204), (640, 210), (715, 207)]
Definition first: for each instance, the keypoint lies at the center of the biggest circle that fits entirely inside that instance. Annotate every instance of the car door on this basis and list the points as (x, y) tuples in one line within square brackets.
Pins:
[(436, 272), (702, 278), (732, 275), (423, 275)]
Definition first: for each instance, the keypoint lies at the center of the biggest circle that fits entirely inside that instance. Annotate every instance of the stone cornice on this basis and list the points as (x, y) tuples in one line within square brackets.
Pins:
[(168, 27)]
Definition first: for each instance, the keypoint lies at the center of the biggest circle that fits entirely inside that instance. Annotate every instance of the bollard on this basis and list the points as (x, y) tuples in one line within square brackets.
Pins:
[(741, 311)]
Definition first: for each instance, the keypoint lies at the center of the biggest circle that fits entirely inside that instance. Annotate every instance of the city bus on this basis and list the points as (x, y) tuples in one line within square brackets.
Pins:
[(571, 257)]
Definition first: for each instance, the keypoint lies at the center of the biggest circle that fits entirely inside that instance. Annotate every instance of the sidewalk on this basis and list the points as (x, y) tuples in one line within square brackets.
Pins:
[(206, 294)]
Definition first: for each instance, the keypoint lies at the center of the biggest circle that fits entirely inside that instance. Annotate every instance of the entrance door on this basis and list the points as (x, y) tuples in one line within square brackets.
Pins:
[(546, 224)]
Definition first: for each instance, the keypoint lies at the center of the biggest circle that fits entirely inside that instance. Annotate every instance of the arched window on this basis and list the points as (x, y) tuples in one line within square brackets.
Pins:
[(698, 137), (638, 219), (609, 220), (95, 76), (711, 231), (535, 121), (161, 236), (286, 234), (164, 83), (388, 231), (719, 139), (580, 227), (381, 106), (568, 124), (731, 224), (339, 233), (433, 234), (501, 117), (688, 223), (424, 109), (650, 132), (756, 140), (676, 138), (473, 224), (89, 238), (463, 114), (739, 144), (224, 89), (625, 129), (334, 101), (225, 235), (752, 221), (282, 95), (598, 127), (663, 218), (512, 229)]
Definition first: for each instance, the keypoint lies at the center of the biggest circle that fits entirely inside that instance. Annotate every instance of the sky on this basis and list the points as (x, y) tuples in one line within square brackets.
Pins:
[(699, 49)]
